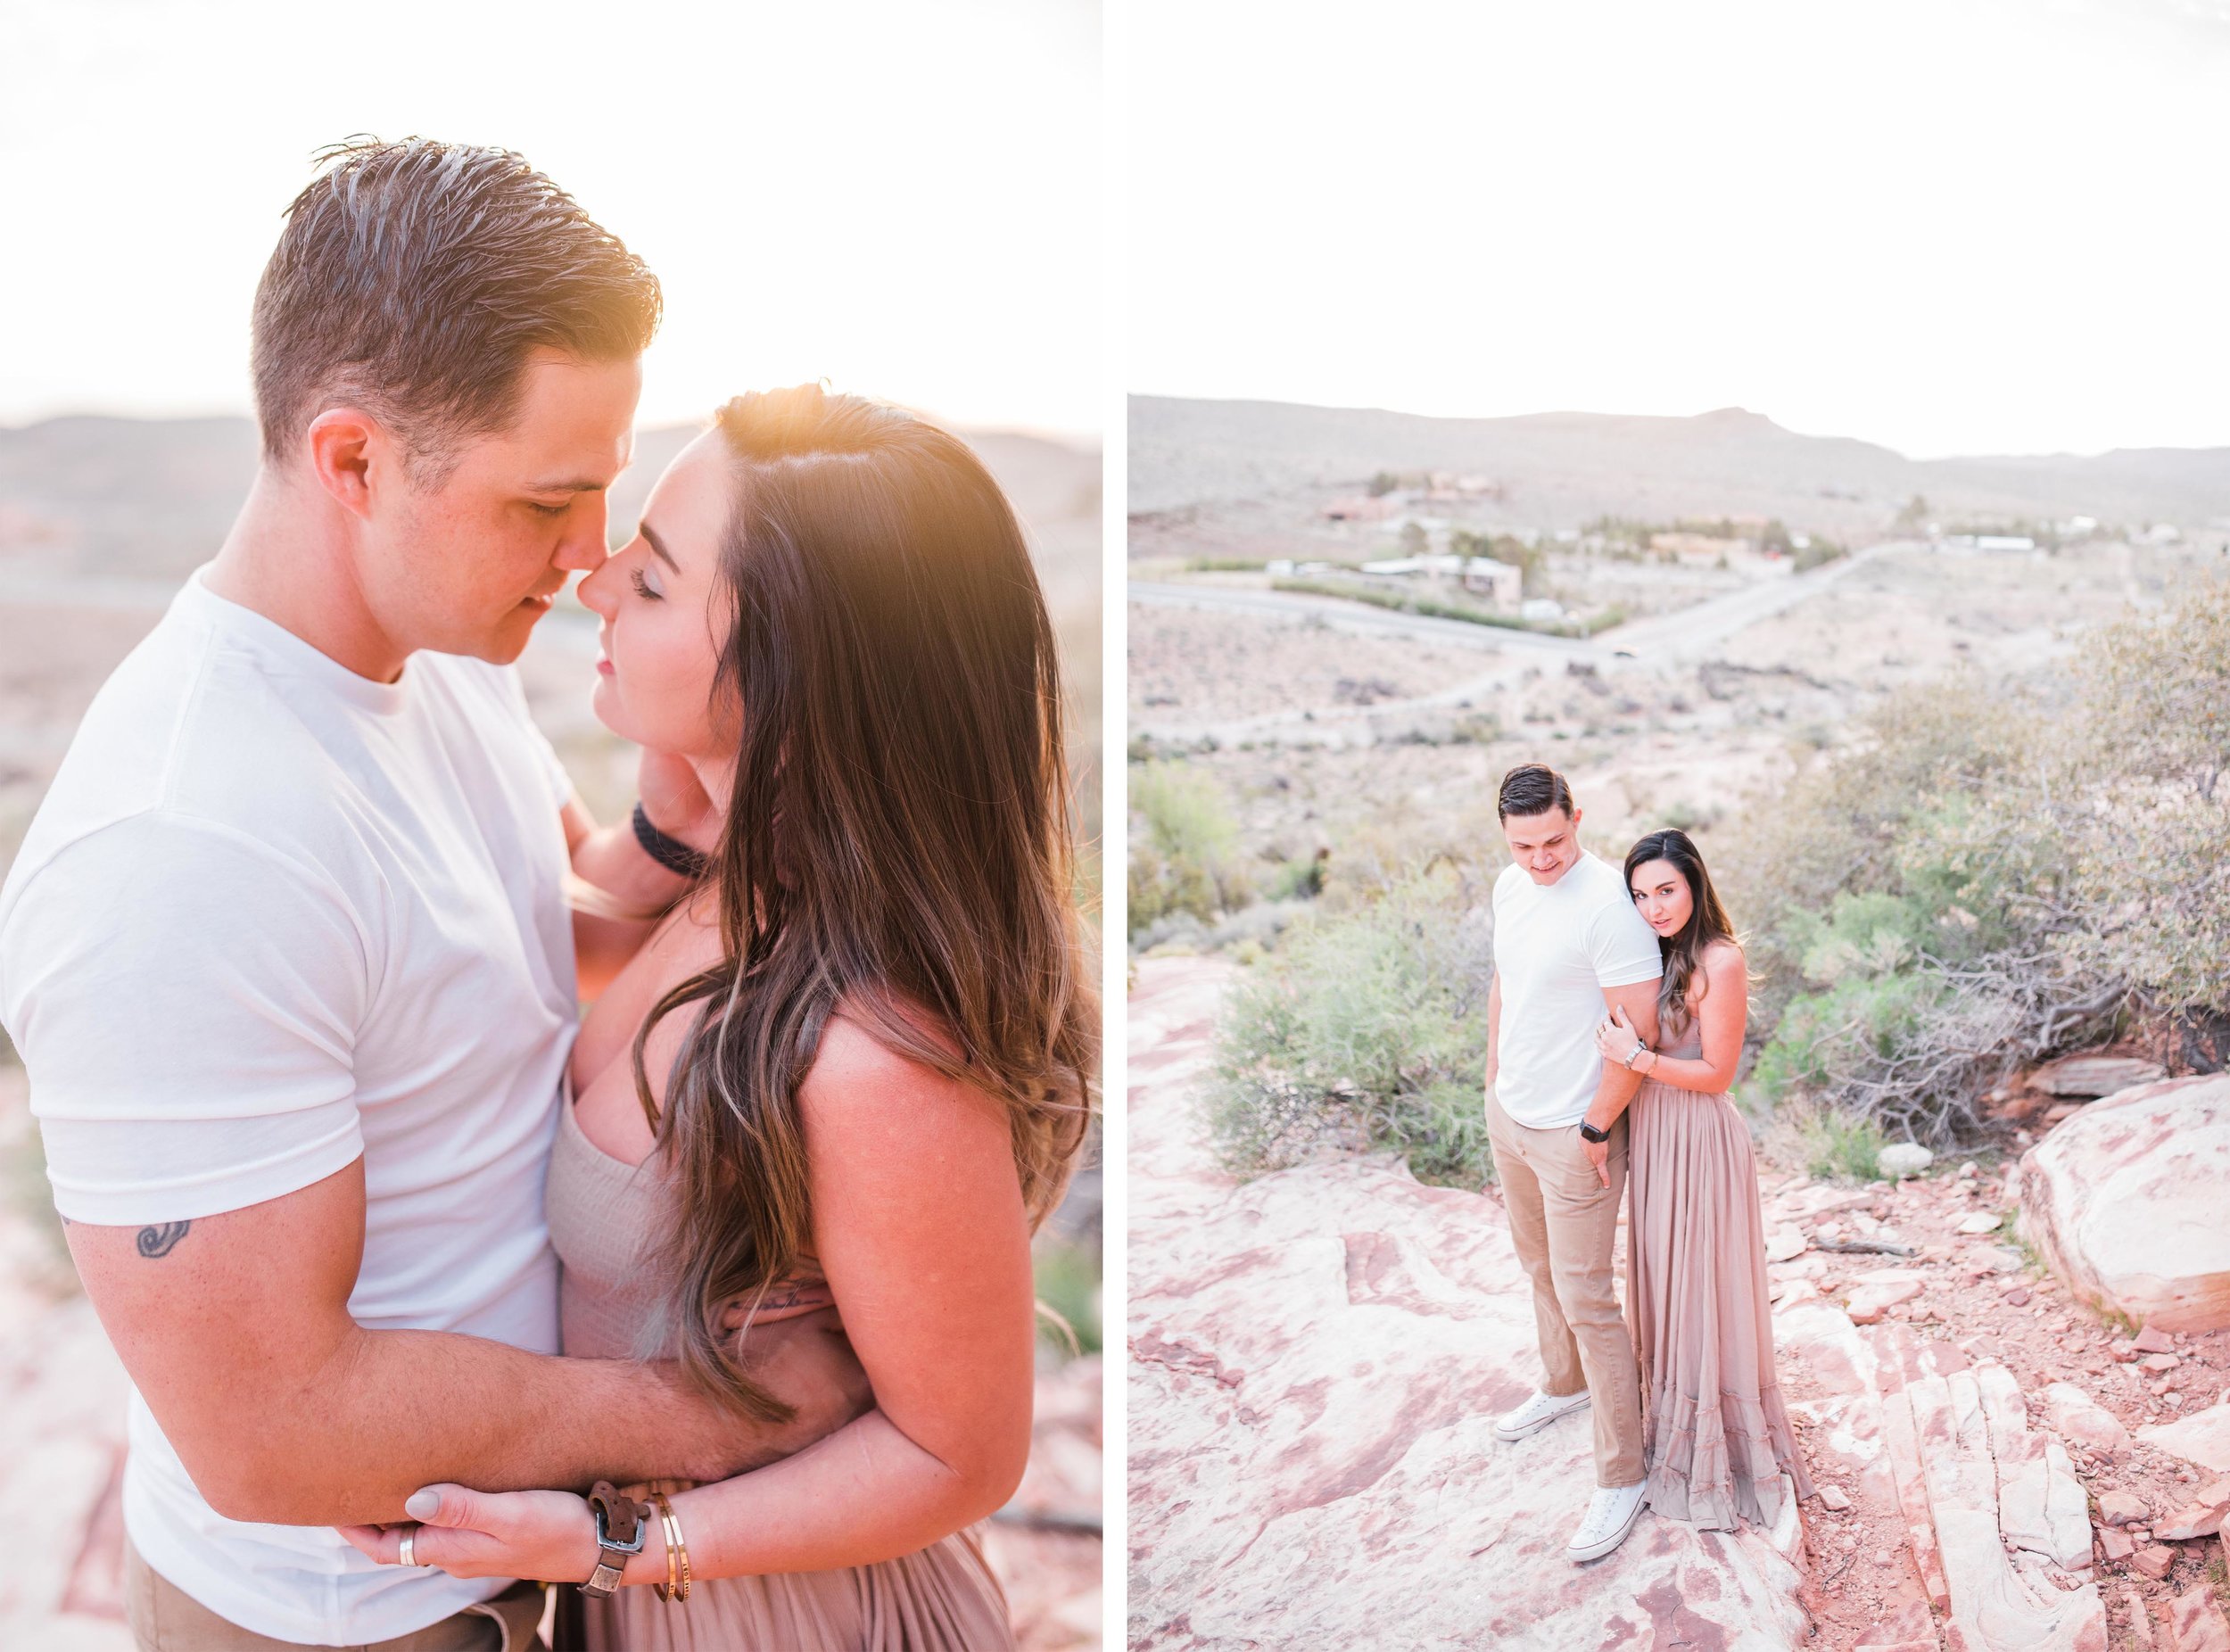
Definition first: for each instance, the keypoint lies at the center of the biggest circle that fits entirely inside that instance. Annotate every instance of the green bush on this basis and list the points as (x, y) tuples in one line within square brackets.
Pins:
[(1186, 859), (1984, 878), (1833, 1145), (1367, 1032), (1068, 1283)]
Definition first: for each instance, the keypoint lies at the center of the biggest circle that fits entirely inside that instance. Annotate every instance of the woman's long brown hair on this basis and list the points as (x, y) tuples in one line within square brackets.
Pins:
[(1706, 922), (899, 843)]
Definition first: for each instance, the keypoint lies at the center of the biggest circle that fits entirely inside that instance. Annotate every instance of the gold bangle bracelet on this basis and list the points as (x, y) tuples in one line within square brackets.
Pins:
[(677, 1584)]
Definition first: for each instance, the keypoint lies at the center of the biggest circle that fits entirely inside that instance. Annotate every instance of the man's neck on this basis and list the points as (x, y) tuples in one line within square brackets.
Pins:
[(289, 558)]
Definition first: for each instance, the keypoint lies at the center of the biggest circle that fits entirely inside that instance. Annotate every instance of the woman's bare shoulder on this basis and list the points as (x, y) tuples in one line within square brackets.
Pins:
[(1722, 960)]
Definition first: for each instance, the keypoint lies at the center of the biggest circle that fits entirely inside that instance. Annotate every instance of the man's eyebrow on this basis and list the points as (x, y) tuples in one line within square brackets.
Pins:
[(587, 485), (651, 540)]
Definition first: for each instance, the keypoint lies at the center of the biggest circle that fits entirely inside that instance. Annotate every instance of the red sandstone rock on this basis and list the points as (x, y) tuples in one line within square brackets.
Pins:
[(2124, 1200), (2197, 1623), (2152, 1340), (2089, 1077), (2082, 1422), (2202, 1437), (2122, 1508), (2115, 1544), (2154, 1561), (2202, 1516)]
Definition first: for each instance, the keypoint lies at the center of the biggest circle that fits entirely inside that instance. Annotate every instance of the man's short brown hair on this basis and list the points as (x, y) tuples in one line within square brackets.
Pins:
[(1532, 788), (414, 277)]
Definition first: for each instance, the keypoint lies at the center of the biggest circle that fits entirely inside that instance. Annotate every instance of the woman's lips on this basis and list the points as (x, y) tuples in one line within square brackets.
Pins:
[(603, 666)]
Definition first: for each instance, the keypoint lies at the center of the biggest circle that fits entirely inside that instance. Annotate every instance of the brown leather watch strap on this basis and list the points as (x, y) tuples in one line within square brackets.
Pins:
[(622, 1514), (619, 1537)]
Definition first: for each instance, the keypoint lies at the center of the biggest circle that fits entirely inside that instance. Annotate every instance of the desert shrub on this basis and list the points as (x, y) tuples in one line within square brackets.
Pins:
[(1300, 879), (1987, 878), (1067, 1278), (1187, 860), (1366, 1032), (1831, 1144)]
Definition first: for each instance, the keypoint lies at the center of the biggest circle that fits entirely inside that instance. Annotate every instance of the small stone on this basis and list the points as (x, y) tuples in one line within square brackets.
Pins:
[(1980, 1222), (1882, 1558), (2115, 1544), (2202, 1516), (1785, 1244), (2154, 1561), (2017, 1297), (1835, 1498), (2160, 1362), (2152, 1340), (1902, 1159), (2121, 1508)]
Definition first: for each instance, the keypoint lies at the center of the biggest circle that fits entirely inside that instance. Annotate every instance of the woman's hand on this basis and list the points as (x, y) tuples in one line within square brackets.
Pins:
[(546, 1535), (1616, 1038)]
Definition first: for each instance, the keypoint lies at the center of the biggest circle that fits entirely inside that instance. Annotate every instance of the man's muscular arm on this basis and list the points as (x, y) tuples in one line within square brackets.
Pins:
[(236, 1329), (1617, 1087)]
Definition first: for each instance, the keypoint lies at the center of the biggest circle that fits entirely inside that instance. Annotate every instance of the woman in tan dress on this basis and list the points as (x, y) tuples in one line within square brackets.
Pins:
[(842, 1081), (1713, 1427)]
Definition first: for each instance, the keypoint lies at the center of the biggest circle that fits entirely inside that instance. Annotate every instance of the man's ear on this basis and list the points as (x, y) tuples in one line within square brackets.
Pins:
[(352, 454)]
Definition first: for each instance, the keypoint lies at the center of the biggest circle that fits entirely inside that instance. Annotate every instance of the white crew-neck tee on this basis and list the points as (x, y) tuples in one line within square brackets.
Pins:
[(271, 917), (1556, 947)]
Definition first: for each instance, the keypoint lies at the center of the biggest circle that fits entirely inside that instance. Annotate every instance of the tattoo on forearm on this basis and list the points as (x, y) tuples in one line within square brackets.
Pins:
[(161, 1239)]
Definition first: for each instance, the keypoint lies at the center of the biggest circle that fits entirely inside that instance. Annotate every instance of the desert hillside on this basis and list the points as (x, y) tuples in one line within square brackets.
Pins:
[(1202, 471)]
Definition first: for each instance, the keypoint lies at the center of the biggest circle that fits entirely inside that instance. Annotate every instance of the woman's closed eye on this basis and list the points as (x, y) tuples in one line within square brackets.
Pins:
[(643, 587)]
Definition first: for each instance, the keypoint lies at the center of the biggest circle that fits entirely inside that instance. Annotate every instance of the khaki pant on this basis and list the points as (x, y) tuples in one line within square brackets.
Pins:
[(165, 1618), (1565, 1222)]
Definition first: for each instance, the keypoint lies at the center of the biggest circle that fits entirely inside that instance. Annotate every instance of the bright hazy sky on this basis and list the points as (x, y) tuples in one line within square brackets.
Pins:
[(904, 198), (1948, 225)]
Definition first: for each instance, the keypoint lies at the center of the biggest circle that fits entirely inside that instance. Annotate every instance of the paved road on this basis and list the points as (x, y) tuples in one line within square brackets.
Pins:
[(1688, 634)]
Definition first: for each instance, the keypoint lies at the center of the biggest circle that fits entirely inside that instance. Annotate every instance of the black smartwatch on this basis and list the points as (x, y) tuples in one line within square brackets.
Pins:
[(619, 1529), (1589, 1133)]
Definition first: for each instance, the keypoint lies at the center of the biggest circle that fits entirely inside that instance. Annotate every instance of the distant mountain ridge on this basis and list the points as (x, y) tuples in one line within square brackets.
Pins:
[(1559, 469)]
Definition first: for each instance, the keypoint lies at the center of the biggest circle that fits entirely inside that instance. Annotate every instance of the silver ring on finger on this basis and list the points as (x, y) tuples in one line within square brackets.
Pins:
[(410, 1540)]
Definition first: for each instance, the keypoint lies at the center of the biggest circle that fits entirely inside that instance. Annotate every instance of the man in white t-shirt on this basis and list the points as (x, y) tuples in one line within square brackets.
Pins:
[(1568, 947), (287, 951)]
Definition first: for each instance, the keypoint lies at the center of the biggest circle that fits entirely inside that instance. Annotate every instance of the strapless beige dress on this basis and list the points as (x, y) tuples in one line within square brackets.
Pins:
[(603, 1216), (1714, 1430)]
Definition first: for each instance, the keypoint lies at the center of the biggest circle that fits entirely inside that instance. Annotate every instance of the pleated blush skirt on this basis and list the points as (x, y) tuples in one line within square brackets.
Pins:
[(1715, 1431), (942, 1599)]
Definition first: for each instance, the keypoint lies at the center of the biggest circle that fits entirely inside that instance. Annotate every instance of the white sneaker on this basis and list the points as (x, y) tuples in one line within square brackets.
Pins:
[(1611, 1514), (1536, 1414)]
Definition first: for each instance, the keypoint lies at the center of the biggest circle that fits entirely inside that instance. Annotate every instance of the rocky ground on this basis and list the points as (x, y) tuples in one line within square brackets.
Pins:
[(62, 1453), (1316, 1356), (1189, 664)]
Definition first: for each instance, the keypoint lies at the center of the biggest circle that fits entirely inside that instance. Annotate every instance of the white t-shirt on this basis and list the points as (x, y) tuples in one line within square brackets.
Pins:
[(1556, 947), (270, 917)]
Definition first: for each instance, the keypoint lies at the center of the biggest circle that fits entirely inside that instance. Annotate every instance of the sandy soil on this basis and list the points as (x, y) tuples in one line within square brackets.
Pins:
[(1241, 665)]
